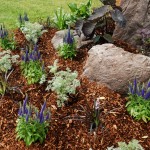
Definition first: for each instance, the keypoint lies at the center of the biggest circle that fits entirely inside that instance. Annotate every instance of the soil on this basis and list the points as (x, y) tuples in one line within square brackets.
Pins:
[(70, 125)]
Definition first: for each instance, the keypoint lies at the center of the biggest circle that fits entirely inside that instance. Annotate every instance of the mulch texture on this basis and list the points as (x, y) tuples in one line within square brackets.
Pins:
[(70, 125)]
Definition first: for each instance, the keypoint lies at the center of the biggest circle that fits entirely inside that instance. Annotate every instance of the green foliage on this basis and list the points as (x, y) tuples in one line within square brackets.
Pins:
[(138, 107), (32, 71), (30, 128), (60, 19), (80, 12), (133, 145), (32, 31), (67, 51), (6, 61), (63, 83)]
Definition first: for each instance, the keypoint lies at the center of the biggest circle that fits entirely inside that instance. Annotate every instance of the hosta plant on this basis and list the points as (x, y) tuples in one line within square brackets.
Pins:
[(133, 145), (7, 41), (63, 83), (138, 104), (6, 62), (32, 125), (32, 31), (32, 67), (100, 21), (68, 49)]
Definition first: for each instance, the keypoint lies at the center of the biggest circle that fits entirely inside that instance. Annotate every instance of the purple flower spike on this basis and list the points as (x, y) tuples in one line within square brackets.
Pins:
[(20, 111), (26, 17), (147, 95), (47, 116), (148, 84), (24, 104), (41, 112), (27, 118), (135, 86), (68, 39), (35, 47)]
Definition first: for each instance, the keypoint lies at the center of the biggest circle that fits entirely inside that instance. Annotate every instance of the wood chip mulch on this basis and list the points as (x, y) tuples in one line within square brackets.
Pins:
[(70, 125)]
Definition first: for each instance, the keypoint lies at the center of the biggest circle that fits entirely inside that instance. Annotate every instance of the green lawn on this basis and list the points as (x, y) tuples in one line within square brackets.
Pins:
[(9, 9)]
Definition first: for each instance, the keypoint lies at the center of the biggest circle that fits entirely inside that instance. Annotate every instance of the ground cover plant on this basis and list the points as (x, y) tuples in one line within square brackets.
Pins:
[(93, 116)]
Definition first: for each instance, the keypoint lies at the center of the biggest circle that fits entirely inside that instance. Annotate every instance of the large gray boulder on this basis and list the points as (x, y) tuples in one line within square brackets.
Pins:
[(137, 14), (57, 40), (113, 67)]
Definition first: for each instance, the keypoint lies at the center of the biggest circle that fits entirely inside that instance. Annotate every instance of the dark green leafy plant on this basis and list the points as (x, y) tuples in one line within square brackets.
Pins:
[(68, 49), (6, 41), (99, 21), (61, 19), (80, 12), (32, 125), (32, 66), (138, 105)]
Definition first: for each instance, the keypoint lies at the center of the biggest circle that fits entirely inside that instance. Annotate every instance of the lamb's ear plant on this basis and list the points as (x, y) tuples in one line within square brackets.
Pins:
[(32, 66), (63, 83), (133, 145), (138, 104), (68, 49), (7, 41), (32, 125), (32, 31), (6, 62)]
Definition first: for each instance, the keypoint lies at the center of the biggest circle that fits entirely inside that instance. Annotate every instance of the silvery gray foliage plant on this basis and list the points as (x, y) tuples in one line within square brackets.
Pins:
[(133, 145), (32, 31), (63, 83)]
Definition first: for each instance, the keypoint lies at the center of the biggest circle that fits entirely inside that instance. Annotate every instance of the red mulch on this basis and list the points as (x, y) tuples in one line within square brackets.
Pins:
[(70, 125)]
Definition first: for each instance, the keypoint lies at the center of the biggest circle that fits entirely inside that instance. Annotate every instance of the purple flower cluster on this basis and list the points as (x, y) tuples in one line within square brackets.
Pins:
[(22, 19), (31, 56), (3, 32), (27, 112), (69, 38), (140, 90)]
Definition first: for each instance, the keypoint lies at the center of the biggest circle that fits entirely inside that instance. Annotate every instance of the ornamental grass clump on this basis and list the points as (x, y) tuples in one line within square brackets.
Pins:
[(32, 124), (138, 104), (32, 66), (7, 42), (68, 49)]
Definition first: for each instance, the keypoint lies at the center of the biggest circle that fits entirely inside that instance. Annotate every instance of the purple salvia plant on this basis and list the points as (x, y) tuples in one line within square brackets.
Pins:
[(68, 39), (26, 17), (137, 89), (42, 113)]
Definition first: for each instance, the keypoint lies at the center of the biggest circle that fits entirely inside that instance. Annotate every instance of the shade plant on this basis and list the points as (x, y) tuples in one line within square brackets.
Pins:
[(68, 49), (32, 66), (32, 124), (7, 41), (100, 21), (138, 104)]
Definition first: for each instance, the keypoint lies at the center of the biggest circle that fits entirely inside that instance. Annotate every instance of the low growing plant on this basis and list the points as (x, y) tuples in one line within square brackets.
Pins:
[(63, 83), (32, 31), (133, 145), (32, 66), (138, 104), (32, 125), (7, 42), (6, 61), (68, 49)]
